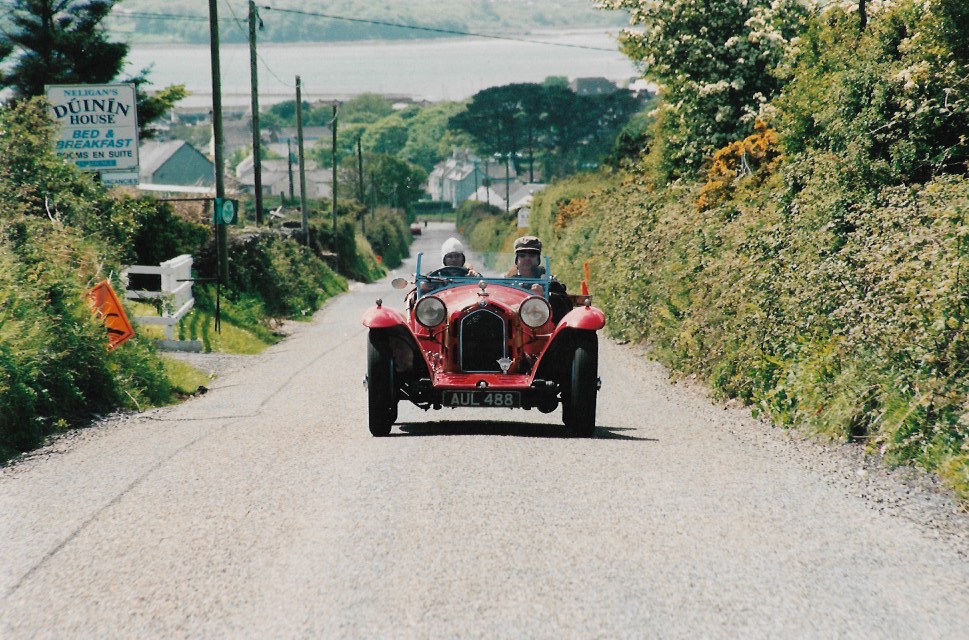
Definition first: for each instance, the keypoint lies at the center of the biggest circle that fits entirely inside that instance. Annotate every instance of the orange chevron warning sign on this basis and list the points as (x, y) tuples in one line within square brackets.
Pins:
[(106, 306)]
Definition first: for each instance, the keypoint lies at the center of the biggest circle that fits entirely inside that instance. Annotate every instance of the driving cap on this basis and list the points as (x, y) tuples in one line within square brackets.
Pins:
[(528, 243), (451, 245)]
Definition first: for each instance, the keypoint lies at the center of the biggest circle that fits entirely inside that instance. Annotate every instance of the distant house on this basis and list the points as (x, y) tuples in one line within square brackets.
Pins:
[(310, 135), (592, 86), (463, 174), (236, 134), (174, 162), (455, 179), (275, 178), (492, 197), (522, 196)]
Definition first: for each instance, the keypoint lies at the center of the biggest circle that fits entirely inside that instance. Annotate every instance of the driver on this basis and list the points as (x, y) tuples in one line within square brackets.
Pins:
[(452, 255)]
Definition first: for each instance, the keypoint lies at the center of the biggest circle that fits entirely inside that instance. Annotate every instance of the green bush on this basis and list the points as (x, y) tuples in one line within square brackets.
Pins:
[(287, 278), (893, 102), (354, 257), (486, 227), (389, 235), (57, 370), (162, 235), (60, 233)]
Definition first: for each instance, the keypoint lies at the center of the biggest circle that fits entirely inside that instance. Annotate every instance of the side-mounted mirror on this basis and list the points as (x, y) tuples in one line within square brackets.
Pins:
[(399, 283)]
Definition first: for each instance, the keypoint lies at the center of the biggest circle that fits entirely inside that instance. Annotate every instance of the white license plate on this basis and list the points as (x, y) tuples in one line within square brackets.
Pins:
[(487, 399)]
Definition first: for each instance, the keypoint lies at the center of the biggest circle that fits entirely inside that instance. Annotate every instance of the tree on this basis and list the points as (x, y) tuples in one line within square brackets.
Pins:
[(429, 139), (713, 61), (388, 135), (63, 42), (892, 102), (395, 182)]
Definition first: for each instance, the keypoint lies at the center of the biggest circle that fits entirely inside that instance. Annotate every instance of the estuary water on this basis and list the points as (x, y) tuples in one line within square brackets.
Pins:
[(436, 69)]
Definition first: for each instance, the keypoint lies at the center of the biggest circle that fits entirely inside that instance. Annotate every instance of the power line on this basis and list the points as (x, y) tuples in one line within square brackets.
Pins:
[(124, 13), (245, 32)]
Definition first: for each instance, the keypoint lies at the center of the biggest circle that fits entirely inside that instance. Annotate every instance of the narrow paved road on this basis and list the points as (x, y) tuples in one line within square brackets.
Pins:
[(265, 509)]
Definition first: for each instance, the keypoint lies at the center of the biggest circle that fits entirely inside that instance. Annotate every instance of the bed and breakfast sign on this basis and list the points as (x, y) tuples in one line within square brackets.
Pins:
[(99, 128)]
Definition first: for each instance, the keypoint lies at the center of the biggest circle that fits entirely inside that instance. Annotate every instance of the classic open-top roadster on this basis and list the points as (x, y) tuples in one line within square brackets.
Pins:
[(484, 342)]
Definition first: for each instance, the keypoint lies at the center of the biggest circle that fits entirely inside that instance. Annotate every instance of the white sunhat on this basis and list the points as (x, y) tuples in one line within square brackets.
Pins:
[(451, 245)]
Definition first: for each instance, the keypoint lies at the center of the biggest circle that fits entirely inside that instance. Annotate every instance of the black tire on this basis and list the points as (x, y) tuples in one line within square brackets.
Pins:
[(579, 407), (380, 385)]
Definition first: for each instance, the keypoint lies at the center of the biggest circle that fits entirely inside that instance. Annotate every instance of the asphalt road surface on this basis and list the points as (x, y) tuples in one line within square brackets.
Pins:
[(265, 509)]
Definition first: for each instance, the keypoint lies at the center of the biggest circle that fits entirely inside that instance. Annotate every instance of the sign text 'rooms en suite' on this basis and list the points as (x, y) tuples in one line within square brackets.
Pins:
[(99, 128)]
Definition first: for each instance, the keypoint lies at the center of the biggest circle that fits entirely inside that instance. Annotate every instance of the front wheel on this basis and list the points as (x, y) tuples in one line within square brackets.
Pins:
[(380, 385), (579, 406)]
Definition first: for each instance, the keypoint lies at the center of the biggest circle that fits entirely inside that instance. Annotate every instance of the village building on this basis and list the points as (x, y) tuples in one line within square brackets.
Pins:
[(174, 162)]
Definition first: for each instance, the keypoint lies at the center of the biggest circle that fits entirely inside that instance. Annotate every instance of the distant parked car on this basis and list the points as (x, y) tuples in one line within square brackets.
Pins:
[(484, 342), (415, 229)]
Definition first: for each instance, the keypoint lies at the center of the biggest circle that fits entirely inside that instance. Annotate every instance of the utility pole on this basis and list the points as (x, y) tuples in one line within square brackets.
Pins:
[(256, 138), (507, 181), (373, 196), (360, 171), (289, 163), (363, 218), (333, 131), (221, 236), (302, 161)]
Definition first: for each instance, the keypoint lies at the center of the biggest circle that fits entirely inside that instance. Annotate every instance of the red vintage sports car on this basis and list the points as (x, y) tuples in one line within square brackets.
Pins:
[(484, 342)]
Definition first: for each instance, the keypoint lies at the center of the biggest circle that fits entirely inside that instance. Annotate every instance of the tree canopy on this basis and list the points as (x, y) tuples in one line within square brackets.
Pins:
[(547, 122)]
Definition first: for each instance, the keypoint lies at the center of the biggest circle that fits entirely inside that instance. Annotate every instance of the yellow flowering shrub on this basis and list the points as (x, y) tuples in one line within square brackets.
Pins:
[(754, 156)]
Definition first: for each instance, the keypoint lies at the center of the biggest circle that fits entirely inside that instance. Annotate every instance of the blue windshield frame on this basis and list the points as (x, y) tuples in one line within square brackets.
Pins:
[(519, 282)]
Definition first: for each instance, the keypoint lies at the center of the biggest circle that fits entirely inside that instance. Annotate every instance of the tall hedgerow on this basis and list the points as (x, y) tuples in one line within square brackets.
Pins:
[(818, 272)]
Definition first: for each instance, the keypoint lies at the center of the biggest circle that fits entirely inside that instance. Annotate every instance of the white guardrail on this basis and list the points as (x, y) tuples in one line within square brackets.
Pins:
[(176, 291)]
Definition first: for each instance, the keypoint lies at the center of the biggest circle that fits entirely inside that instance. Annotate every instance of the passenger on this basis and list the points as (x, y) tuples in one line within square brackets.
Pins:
[(528, 258), (528, 264)]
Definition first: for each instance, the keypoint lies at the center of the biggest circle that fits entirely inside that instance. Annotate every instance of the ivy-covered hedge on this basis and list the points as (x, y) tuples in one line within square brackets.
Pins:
[(855, 330)]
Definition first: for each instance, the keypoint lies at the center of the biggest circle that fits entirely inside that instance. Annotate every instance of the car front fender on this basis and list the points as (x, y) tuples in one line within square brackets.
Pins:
[(381, 317), (585, 318)]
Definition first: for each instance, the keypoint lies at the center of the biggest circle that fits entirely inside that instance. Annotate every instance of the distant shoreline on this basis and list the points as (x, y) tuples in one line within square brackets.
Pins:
[(511, 37)]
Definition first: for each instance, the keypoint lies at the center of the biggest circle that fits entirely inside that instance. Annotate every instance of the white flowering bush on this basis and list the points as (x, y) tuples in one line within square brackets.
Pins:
[(713, 61)]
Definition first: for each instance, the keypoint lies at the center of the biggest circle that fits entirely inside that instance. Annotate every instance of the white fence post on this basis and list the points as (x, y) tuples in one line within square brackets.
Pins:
[(175, 294)]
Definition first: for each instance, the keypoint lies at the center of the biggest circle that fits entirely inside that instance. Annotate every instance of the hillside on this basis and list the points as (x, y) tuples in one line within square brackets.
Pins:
[(186, 21)]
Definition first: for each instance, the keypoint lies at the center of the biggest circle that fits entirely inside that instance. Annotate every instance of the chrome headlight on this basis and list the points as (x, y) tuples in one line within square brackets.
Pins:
[(430, 312), (534, 312)]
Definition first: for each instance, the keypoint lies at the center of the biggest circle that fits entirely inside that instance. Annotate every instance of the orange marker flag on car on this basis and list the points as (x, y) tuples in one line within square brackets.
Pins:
[(105, 305), (588, 276)]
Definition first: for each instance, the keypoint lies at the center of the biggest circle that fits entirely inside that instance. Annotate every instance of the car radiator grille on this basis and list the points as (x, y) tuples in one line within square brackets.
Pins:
[(482, 341)]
